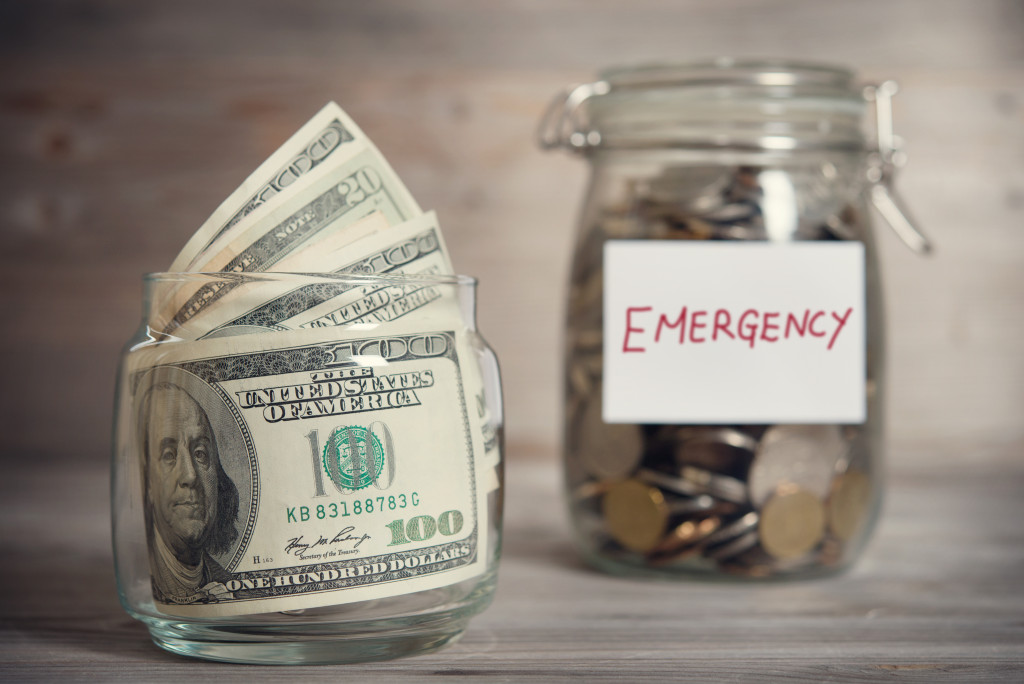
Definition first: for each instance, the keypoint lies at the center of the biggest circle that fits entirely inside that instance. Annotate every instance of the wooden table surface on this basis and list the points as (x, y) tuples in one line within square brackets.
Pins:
[(936, 597)]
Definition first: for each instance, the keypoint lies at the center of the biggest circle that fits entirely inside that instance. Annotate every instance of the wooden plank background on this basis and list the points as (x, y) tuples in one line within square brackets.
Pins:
[(123, 124)]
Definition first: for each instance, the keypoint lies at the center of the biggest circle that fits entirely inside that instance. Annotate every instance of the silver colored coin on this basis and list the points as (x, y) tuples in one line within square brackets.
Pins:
[(719, 486), (697, 504), (736, 528), (696, 482), (580, 382), (623, 226), (729, 549), (587, 341), (740, 232), (606, 450), (719, 450), (589, 490), (585, 299), (584, 375), (670, 483), (738, 536), (801, 455)]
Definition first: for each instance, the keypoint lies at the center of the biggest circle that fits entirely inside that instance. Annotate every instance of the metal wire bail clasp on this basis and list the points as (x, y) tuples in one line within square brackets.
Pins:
[(883, 164), (562, 126)]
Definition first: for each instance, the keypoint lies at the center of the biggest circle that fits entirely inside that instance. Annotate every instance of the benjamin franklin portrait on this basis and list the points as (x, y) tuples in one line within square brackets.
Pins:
[(191, 504)]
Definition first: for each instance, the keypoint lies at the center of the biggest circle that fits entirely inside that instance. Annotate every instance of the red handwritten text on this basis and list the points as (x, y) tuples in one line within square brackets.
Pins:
[(751, 326)]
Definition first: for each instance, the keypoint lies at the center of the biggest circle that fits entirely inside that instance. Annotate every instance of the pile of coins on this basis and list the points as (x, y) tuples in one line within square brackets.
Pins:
[(752, 500)]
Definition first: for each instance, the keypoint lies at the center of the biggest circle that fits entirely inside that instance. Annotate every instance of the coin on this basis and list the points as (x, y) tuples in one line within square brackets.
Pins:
[(686, 536), (848, 504), (584, 374), (792, 523), (858, 456), (694, 482), (689, 228), (720, 486), (590, 490), (720, 450), (670, 483), (585, 297), (622, 226), (587, 341), (737, 528), (734, 547), (677, 186), (636, 514), (607, 451), (803, 455), (579, 380)]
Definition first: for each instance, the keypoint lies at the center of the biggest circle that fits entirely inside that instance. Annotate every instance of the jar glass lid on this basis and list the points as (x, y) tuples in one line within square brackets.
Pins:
[(765, 105)]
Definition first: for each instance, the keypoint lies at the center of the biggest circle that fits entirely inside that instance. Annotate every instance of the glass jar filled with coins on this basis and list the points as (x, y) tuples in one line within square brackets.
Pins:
[(724, 342)]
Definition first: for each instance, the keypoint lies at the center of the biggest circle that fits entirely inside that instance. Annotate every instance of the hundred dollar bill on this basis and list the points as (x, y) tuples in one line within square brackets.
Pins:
[(485, 403), (305, 469), (351, 191), (252, 292), (328, 135), (414, 248)]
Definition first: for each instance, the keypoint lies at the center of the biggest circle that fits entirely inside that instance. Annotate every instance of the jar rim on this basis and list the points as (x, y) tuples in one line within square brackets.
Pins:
[(773, 105), (724, 71), (284, 276)]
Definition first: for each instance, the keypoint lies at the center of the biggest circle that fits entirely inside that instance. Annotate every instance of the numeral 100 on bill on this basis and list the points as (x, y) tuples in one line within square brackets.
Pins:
[(423, 527), (353, 457)]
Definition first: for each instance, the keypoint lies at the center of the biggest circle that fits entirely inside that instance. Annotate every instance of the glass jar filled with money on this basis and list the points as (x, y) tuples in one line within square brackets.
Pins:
[(308, 430), (291, 492), (724, 343)]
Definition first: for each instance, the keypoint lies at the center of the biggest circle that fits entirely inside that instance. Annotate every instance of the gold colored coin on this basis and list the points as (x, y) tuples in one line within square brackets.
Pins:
[(848, 504), (792, 523), (636, 515)]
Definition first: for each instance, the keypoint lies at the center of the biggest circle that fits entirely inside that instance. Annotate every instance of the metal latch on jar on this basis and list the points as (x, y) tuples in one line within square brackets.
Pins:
[(561, 127), (886, 158)]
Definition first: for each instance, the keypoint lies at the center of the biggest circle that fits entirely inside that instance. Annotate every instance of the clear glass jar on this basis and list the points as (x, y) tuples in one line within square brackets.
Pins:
[(300, 494), (718, 157)]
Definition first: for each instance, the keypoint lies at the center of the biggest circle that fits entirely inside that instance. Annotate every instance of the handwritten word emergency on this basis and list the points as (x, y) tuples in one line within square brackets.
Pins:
[(752, 327)]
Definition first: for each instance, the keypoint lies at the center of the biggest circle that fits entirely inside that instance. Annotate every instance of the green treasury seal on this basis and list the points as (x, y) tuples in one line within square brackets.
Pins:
[(347, 459)]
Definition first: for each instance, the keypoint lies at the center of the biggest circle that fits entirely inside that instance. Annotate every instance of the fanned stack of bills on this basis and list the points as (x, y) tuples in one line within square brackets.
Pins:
[(327, 201), (306, 443)]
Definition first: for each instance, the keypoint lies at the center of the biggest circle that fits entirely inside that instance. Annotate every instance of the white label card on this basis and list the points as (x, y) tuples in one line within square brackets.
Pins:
[(733, 332)]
